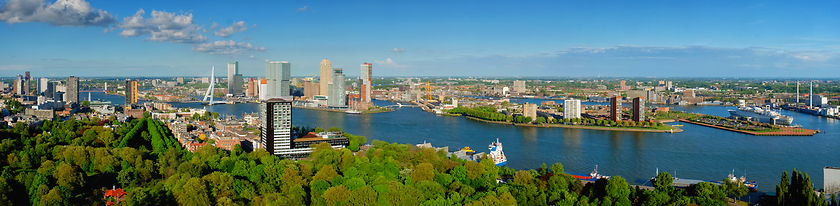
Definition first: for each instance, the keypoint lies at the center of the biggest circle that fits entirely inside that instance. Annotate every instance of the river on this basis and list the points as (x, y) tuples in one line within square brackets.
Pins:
[(697, 153)]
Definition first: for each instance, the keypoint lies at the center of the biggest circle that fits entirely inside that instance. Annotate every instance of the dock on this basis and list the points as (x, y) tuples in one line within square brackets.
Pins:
[(786, 131)]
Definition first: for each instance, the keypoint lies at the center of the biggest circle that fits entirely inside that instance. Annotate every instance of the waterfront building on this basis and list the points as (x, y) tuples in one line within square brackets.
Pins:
[(530, 110), (276, 125), (337, 96), (278, 75), (311, 89), (615, 108), (819, 101), (326, 77), (688, 93), (263, 87), (131, 92), (250, 91), (366, 87), (571, 109), (234, 83), (639, 109), (519, 86), (72, 92)]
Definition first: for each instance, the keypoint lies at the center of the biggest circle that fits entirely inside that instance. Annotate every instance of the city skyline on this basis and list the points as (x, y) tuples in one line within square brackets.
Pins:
[(663, 39)]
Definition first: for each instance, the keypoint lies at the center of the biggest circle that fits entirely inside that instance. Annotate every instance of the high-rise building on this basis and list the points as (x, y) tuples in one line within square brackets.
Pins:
[(237, 85), (233, 87), (50, 90), (42, 85), (27, 88), (615, 108), (278, 75), (669, 85), (130, 92), (571, 109), (72, 89), (276, 125), (366, 87), (251, 88), (530, 110), (337, 96), (263, 88), (326, 77), (639, 109), (18, 87), (519, 86), (310, 89)]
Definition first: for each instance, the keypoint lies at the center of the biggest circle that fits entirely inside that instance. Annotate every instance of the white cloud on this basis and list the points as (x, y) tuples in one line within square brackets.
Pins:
[(234, 28), (18, 67), (214, 25), (226, 47), (389, 63), (398, 50), (163, 26), (60, 13), (304, 8)]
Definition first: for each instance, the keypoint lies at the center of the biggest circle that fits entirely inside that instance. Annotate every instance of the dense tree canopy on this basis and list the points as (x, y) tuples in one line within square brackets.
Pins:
[(74, 162)]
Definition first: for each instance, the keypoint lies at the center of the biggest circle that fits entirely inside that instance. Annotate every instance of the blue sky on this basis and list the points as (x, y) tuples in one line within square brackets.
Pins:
[(423, 38)]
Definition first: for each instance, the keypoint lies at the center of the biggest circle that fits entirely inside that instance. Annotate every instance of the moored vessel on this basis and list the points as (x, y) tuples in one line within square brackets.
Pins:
[(761, 115), (497, 154)]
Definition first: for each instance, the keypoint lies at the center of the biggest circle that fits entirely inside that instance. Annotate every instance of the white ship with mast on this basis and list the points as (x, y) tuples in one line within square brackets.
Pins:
[(496, 153), (758, 114)]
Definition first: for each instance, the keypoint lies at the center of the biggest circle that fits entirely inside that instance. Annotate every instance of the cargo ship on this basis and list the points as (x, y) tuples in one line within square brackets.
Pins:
[(497, 154), (761, 115), (593, 176)]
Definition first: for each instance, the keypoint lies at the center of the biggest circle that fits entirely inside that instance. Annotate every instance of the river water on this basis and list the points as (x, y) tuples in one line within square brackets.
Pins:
[(697, 153)]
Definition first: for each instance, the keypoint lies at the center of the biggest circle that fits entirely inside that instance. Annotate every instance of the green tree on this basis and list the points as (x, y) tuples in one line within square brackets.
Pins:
[(736, 188), (423, 171), (663, 182), (336, 195)]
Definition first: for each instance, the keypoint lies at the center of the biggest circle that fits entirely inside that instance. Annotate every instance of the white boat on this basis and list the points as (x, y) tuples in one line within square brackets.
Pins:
[(761, 115), (497, 154), (353, 112)]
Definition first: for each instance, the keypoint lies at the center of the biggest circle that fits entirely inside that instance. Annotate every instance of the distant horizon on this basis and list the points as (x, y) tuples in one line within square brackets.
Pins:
[(753, 39)]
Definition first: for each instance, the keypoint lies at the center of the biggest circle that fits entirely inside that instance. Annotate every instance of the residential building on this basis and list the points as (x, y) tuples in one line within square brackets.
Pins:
[(571, 109), (72, 94), (42, 84), (263, 87), (530, 110), (615, 108), (639, 109), (366, 87), (519, 86), (131, 92), (276, 126), (337, 95), (326, 77), (18, 87)]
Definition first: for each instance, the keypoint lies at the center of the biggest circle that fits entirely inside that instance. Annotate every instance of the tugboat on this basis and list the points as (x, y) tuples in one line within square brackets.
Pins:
[(497, 154)]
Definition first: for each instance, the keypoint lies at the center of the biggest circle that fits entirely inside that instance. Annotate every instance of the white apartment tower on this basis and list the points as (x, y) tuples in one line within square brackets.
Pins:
[(571, 108)]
